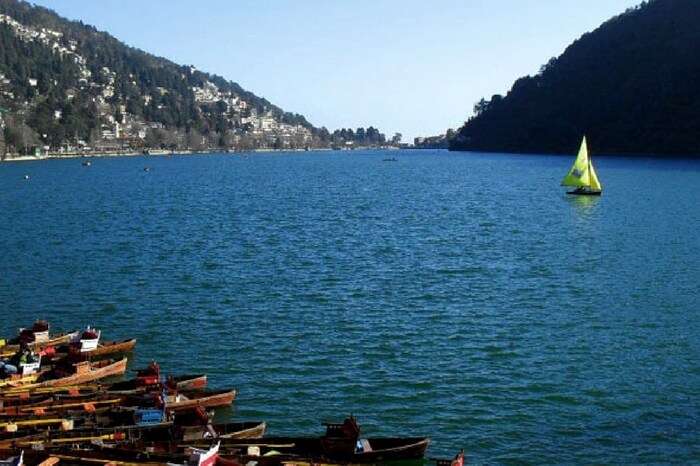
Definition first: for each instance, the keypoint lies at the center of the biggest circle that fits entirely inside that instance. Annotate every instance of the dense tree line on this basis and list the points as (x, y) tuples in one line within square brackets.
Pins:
[(630, 85), (359, 137)]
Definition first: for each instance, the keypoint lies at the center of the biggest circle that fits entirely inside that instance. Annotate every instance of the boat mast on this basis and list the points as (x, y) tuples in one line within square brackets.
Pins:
[(590, 170)]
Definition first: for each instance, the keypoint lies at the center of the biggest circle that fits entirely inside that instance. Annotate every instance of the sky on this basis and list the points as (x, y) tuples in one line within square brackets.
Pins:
[(411, 66)]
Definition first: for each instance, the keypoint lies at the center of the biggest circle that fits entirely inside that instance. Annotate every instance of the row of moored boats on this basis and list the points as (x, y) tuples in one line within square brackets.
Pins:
[(60, 404)]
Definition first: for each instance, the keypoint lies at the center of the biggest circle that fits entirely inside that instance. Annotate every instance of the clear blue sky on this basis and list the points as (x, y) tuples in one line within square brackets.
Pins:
[(412, 66)]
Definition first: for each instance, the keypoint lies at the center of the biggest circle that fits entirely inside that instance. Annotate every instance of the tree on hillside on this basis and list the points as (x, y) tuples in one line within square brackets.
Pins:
[(19, 137)]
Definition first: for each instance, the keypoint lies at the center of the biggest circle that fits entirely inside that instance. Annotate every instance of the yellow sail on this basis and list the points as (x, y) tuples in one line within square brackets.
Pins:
[(579, 175), (595, 182)]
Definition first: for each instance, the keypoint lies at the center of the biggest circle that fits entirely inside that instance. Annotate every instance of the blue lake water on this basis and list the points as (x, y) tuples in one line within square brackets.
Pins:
[(460, 296)]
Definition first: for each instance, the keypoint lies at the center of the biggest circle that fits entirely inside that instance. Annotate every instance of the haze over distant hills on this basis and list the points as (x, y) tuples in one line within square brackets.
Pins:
[(66, 87), (631, 86)]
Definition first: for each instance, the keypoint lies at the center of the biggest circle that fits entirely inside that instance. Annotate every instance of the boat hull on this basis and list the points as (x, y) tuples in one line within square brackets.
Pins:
[(584, 193), (89, 374), (409, 451), (139, 386), (314, 450), (59, 339), (191, 382), (113, 347), (236, 430), (213, 400)]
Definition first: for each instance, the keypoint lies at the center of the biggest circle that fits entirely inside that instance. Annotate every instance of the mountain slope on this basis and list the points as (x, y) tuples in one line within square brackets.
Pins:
[(65, 86), (630, 85)]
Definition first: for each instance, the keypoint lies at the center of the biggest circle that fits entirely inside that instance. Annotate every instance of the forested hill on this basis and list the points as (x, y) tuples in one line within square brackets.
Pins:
[(67, 87), (631, 86)]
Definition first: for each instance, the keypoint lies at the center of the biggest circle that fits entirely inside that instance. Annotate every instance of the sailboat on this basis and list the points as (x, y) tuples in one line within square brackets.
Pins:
[(582, 175)]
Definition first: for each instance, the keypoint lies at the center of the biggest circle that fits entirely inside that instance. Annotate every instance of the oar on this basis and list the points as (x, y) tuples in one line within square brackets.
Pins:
[(237, 444), (33, 422), (73, 390), (85, 404), (59, 441)]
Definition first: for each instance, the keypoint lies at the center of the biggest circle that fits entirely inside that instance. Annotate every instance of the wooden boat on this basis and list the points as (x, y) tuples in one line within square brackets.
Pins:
[(188, 382), (39, 441), (232, 430), (31, 398), (338, 446), (85, 372), (312, 450), (87, 404), (582, 175), (166, 433), (143, 384), (386, 449), (170, 431), (457, 461), (112, 456), (113, 347), (205, 399), (96, 399), (13, 396), (151, 376), (238, 430), (68, 456), (59, 339), (341, 443), (92, 453), (161, 432), (106, 348)]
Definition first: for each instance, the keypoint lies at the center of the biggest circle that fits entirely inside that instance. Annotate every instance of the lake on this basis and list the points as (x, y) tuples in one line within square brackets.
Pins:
[(460, 296)]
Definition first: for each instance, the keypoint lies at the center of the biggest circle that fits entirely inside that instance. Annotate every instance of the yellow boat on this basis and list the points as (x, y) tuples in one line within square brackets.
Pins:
[(582, 175)]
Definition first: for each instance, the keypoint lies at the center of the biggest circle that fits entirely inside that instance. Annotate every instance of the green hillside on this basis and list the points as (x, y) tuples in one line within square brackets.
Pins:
[(631, 86)]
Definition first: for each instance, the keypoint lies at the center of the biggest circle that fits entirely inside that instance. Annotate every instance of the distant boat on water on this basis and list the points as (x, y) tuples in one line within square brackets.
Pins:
[(391, 159), (582, 175), (87, 163)]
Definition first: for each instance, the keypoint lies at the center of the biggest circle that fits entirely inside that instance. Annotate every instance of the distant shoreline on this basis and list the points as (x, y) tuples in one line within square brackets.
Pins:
[(163, 152)]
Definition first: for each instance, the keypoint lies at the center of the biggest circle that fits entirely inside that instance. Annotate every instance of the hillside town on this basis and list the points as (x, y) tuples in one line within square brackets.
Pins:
[(62, 102)]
